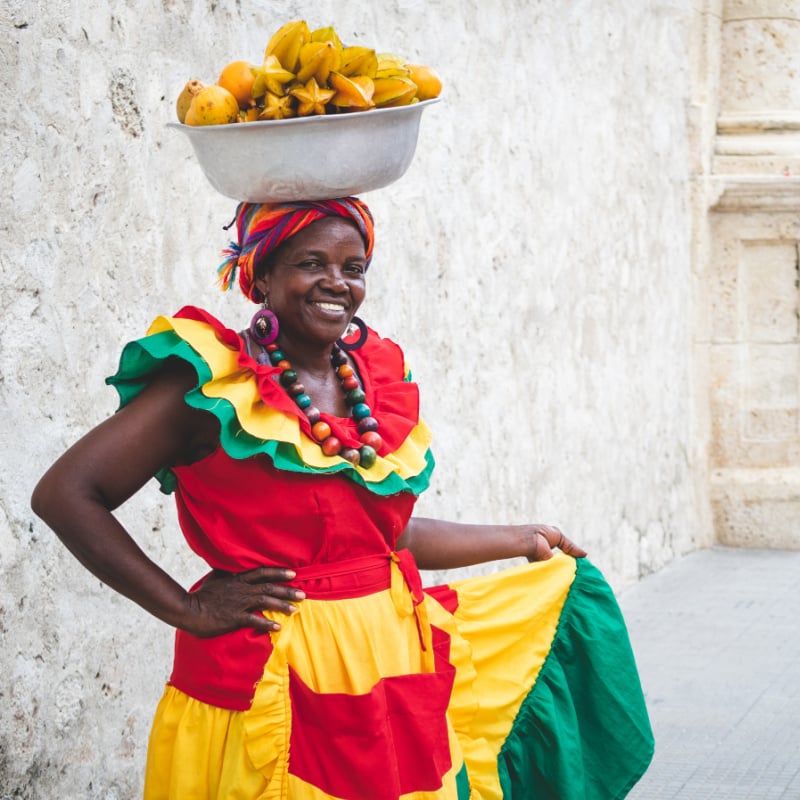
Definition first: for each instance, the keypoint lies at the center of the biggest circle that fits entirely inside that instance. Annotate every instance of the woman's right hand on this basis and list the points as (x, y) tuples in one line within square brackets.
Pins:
[(227, 601)]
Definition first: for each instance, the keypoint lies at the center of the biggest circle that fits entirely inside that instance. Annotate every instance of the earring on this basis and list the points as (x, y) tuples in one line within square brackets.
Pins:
[(264, 325), (362, 335)]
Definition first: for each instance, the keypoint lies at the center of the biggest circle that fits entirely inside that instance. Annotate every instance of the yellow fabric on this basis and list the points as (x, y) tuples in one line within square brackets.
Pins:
[(235, 385), (509, 620), (500, 635)]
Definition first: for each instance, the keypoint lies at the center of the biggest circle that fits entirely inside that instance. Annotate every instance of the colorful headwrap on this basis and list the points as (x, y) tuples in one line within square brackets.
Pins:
[(262, 227)]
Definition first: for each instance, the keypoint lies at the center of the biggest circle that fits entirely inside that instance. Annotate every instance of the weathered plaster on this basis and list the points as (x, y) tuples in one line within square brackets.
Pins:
[(534, 263)]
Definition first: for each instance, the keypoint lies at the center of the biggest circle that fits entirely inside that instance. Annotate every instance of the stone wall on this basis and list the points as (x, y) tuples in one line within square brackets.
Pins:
[(748, 273), (534, 263)]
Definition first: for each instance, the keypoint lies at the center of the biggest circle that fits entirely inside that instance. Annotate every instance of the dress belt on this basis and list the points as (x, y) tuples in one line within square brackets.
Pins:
[(358, 577)]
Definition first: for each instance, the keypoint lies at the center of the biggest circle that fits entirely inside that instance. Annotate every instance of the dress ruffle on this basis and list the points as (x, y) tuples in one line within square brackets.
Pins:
[(257, 417)]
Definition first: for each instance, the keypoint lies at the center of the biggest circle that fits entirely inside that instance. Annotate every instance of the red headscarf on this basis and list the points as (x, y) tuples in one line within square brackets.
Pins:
[(262, 227)]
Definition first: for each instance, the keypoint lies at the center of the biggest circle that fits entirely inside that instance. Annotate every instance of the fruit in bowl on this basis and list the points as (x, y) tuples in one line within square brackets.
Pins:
[(306, 73)]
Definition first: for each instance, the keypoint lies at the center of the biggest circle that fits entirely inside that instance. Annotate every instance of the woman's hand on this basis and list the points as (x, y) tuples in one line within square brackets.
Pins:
[(545, 538), (438, 544), (227, 601)]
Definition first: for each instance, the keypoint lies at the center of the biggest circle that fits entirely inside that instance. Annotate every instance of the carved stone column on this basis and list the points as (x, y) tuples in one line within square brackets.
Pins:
[(749, 342)]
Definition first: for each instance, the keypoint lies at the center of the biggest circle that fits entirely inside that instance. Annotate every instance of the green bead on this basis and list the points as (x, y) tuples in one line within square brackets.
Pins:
[(361, 410), (355, 396), (367, 456), (303, 400), (288, 377), (275, 356)]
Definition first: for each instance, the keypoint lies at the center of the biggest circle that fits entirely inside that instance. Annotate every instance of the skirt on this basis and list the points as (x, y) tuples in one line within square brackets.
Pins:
[(519, 684)]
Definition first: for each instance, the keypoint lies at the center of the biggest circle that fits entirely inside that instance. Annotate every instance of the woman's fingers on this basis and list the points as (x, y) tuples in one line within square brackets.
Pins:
[(547, 538), (228, 601)]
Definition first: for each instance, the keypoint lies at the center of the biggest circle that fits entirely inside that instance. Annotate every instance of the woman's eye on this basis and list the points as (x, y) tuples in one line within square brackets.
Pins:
[(356, 269), (310, 264)]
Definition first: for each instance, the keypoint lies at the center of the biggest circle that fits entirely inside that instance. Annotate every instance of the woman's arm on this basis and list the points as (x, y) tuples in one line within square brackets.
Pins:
[(437, 544), (77, 494)]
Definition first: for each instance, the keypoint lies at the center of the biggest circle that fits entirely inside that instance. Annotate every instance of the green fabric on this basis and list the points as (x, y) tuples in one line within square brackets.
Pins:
[(582, 732), (144, 356), (462, 783)]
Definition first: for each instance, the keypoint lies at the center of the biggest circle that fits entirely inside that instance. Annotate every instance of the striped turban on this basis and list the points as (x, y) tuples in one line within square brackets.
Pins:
[(262, 227)]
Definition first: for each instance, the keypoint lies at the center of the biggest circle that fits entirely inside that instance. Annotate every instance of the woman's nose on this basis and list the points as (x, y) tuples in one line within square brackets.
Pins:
[(334, 278)]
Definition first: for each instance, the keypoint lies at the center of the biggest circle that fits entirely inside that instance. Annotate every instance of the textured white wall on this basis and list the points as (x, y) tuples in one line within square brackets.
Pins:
[(534, 263)]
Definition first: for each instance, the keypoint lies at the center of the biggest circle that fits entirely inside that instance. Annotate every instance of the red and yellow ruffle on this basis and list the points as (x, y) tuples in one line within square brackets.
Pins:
[(257, 417)]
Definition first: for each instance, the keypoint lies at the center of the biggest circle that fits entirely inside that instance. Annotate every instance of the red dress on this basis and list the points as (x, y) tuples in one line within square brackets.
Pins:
[(374, 690)]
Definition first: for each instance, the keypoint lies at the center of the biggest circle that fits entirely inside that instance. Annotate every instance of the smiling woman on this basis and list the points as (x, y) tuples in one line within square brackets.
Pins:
[(310, 661)]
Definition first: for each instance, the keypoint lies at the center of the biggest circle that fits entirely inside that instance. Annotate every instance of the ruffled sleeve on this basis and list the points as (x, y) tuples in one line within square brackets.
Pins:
[(257, 416)]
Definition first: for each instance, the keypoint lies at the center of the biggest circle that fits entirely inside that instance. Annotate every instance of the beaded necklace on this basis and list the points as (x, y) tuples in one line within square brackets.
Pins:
[(354, 397)]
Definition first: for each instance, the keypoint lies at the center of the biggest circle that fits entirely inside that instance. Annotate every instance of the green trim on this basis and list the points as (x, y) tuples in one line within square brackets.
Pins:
[(462, 784), (583, 730), (142, 357)]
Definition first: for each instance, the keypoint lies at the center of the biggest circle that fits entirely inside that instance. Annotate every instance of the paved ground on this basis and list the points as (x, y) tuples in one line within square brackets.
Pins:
[(717, 639)]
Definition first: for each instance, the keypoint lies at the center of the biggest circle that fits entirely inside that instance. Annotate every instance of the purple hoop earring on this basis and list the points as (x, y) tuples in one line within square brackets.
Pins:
[(264, 326), (362, 336)]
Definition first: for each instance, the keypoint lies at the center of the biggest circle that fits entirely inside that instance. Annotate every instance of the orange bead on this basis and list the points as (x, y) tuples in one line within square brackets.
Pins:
[(345, 371), (284, 364), (331, 446), (321, 431), (373, 439)]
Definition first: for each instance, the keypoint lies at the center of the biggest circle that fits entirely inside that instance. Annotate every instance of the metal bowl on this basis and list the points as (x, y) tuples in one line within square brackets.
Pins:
[(308, 158)]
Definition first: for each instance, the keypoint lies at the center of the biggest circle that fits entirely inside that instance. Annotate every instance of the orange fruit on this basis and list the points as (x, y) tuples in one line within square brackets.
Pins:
[(429, 84), (238, 79), (213, 105)]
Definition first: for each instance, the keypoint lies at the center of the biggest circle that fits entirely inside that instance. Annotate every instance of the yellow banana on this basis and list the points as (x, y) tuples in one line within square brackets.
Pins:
[(358, 61), (317, 60), (286, 42), (394, 91)]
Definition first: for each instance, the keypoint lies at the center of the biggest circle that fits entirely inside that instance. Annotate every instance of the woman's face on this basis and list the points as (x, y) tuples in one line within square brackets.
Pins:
[(316, 280)]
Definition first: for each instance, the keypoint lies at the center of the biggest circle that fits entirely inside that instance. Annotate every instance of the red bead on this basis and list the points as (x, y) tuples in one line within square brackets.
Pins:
[(351, 454), (350, 382), (345, 371), (331, 446), (271, 348), (321, 431), (373, 439)]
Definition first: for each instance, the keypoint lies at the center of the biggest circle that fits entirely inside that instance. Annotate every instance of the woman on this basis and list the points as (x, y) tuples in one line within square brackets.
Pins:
[(309, 662)]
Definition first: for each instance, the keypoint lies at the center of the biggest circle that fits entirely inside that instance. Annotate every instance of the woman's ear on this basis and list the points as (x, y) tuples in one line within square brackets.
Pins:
[(262, 284)]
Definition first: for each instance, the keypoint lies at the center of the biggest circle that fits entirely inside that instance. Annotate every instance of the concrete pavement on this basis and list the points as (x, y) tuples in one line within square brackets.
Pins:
[(717, 639)]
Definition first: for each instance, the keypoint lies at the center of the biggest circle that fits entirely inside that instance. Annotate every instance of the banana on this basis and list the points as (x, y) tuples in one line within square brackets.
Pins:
[(317, 60), (352, 94), (286, 42), (395, 91), (271, 77), (358, 61)]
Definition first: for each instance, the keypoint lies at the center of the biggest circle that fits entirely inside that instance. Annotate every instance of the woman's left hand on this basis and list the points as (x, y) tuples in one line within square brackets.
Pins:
[(545, 538)]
